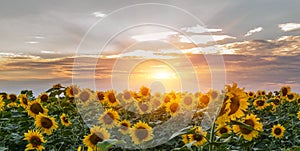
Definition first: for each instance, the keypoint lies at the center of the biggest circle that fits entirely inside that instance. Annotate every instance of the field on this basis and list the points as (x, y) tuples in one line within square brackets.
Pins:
[(73, 118)]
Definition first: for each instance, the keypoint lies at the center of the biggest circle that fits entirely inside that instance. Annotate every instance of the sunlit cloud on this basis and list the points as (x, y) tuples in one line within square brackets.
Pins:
[(199, 29), (252, 31), (203, 39), (98, 14), (47, 52), (4, 55), (32, 42), (39, 37), (289, 26), (153, 36)]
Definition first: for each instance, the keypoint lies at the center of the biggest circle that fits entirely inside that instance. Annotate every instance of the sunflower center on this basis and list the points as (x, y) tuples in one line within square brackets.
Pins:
[(290, 96), (95, 138), (234, 105), (36, 108), (73, 91), (35, 141), (144, 107), (84, 96), (223, 130), (284, 91), (24, 100), (46, 122), (214, 95), (298, 101), (124, 126), (187, 101), (263, 93), (245, 130), (112, 98), (198, 137), (276, 101), (144, 91), (44, 98), (251, 94), (204, 99), (167, 99), (174, 107), (13, 98), (141, 133), (260, 103), (127, 95), (277, 131), (100, 96), (108, 118), (65, 119)]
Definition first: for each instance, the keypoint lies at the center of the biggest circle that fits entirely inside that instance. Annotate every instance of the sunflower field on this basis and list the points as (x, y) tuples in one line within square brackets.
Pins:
[(80, 119)]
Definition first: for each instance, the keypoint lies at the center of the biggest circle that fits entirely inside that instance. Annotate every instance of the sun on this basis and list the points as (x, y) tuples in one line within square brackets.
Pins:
[(163, 75)]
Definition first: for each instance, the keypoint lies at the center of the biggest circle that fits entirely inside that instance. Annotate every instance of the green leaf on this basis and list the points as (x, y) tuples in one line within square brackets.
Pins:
[(107, 144)]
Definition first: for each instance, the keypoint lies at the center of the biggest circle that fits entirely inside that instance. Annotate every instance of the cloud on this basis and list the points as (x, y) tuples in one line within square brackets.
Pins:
[(199, 29), (203, 39), (252, 31), (32, 42), (153, 36), (47, 52), (289, 26), (98, 14)]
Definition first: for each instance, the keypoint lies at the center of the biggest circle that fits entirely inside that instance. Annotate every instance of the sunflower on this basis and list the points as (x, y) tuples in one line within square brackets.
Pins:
[(284, 91), (143, 107), (187, 101), (251, 94), (23, 100), (156, 102), (291, 96), (144, 92), (124, 127), (46, 123), (173, 107), (72, 91), (298, 100), (2, 103), (278, 131), (141, 132), (12, 97), (185, 138), (109, 118), (111, 99), (250, 120), (44, 97), (198, 136), (213, 94), (237, 103), (64, 120), (127, 96), (35, 107), (204, 100), (100, 96), (276, 101), (35, 140), (223, 129), (298, 115), (260, 104), (85, 96), (96, 135)]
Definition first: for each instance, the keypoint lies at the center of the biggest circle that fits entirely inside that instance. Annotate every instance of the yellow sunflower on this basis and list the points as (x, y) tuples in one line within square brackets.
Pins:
[(173, 107), (72, 91), (23, 100), (127, 96), (237, 104), (110, 98), (44, 97), (187, 101), (291, 96), (284, 91), (156, 102), (278, 131), (260, 104), (204, 100), (12, 97), (250, 120), (141, 132), (65, 120), (124, 127), (35, 140), (85, 96), (144, 92), (251, 94), (96, 135), (198, 136), (46, 123), (100, 96), (223, 129), (298, 115), (143, 107), (185, 138), (276, 101), (35, 107), (109, 118), (2, 103)]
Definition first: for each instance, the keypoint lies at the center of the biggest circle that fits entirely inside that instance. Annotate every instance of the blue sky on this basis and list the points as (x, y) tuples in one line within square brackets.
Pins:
[(39, 41)]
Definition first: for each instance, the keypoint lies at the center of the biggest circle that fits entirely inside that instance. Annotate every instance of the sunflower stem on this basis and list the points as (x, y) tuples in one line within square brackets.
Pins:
[(211, 139)]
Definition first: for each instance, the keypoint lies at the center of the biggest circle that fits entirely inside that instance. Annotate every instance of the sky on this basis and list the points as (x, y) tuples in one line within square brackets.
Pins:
[(167, 45)]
